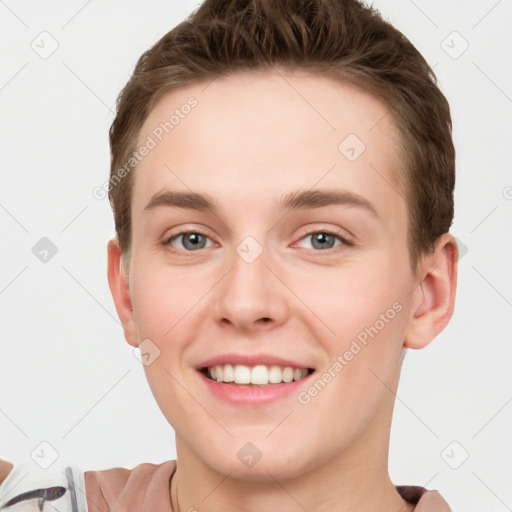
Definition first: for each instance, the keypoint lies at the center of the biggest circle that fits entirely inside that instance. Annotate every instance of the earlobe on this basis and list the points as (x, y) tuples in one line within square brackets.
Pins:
[(435, 294), (118, 283)]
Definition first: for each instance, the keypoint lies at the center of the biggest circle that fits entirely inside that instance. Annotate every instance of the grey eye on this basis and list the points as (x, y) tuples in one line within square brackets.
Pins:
[(322, 240), (192, 241)]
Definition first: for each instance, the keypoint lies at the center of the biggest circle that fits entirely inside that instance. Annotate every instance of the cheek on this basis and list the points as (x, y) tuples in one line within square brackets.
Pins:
[(363, 319), (348, 300), (160, 300), (355, 384), (163, 306), (170, 310)]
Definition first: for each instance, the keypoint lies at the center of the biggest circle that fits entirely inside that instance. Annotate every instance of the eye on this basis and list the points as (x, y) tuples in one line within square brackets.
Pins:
[(190, 240), (325, 240)]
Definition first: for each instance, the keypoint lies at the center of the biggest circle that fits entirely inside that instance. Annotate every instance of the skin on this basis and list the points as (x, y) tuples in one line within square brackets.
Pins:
[(251, 139)]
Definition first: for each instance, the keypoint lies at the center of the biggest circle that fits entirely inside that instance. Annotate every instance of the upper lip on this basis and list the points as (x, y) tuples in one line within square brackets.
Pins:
[(251, 360)]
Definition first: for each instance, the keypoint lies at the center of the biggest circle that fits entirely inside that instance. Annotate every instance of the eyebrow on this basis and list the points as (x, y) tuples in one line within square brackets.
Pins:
[(298, 200)]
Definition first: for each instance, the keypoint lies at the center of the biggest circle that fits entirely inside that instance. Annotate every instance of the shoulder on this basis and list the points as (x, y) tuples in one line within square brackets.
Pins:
[(425, 500), (146, 485), (5, 469), (432, 501)]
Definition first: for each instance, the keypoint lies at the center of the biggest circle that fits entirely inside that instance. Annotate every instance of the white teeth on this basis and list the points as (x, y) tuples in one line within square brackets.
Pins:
[(242, 374), (275, 374), (259, 375), (288, 374), (228, 373)]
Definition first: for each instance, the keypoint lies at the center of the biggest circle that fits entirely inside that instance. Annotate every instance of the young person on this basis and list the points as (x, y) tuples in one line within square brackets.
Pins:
[(282, 184)]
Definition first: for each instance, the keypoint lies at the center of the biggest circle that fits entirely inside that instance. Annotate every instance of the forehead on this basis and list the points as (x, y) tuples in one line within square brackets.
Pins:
[(252, 136)]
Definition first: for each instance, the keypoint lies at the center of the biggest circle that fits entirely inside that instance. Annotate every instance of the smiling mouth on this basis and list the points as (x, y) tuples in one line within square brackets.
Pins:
[(255, 376)]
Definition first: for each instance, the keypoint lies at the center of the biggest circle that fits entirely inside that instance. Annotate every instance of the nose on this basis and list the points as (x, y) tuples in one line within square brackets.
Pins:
[(251, 295)]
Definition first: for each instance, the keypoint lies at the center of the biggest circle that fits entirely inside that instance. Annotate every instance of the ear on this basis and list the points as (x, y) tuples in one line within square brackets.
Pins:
[(118, 282), (434, 299)]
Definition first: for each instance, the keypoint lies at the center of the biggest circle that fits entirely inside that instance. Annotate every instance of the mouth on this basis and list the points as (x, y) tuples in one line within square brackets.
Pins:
[(254, 376)]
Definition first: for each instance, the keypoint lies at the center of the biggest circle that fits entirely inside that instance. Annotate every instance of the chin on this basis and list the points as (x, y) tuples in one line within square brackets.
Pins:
[(270, 466)]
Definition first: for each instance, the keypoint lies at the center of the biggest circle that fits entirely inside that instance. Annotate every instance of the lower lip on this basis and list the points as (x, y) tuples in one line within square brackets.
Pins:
[(252, 395)]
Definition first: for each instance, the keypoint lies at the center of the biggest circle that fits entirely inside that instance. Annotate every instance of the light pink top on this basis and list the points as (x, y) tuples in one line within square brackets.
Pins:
[(145, 488)]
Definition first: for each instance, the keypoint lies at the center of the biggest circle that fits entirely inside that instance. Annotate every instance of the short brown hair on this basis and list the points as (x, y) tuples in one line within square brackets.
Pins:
[(342, 39)]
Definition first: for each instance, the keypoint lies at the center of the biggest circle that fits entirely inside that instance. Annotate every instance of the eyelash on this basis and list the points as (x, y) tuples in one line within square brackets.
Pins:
[(168, 241)]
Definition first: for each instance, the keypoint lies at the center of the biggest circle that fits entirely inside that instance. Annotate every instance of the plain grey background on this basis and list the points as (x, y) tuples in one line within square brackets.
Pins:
[(68, 378)]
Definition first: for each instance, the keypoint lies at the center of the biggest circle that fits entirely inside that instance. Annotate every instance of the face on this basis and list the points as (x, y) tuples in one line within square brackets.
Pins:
[(301, 255)]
